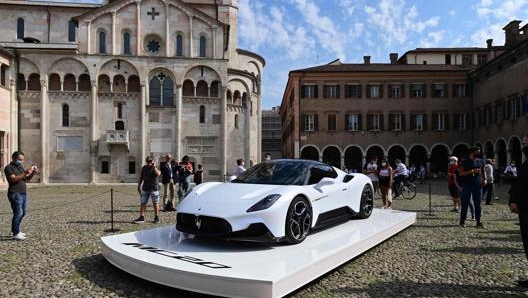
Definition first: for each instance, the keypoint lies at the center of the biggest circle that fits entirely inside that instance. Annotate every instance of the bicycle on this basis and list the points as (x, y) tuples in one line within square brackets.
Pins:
[(407, 189)]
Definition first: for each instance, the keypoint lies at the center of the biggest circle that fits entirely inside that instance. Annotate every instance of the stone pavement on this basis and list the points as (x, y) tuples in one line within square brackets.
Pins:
[(433, 258)]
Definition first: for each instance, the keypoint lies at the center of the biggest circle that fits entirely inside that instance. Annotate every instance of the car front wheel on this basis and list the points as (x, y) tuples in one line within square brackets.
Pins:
[(298, 220), (367, 202)]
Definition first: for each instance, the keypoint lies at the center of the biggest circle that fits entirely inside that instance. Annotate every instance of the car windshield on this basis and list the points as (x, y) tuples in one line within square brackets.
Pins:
[(277, 173)]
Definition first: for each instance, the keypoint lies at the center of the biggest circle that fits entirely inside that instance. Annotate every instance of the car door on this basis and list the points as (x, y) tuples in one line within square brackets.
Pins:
[(327, 190)]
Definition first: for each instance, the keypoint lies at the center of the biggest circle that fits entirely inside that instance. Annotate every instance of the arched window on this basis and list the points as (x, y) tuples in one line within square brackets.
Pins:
[(21, 81), (133, 84), (71, 30), (84, 82), (65, 115), (202, 114), (54, 82), (161, 90), (120, 125), (126, 44), (34, 82), (202, 46), (213, 91), (119, 84), (20, 28), (103, 84), (202, 89), (236, 120), (179, 45), (69, 83), (102, 42), (188, 88)]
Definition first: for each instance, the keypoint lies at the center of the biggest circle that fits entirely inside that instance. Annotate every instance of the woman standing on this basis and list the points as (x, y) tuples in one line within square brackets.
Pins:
[(385, 184)]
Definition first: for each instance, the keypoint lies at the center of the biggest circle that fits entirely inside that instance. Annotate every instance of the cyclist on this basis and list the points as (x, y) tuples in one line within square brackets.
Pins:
[(400, 174)]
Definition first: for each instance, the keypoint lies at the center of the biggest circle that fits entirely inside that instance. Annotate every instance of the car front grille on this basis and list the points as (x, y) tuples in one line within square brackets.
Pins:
[(202, 225)]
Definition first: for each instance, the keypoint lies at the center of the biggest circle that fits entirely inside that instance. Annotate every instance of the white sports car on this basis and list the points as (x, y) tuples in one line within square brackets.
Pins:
[(280, 200)]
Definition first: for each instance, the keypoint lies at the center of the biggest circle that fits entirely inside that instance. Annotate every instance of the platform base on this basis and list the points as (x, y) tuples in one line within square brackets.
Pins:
[(240, 269)]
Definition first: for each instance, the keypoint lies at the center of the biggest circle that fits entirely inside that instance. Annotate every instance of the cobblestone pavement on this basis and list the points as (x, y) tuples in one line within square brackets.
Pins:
[(433, 258)]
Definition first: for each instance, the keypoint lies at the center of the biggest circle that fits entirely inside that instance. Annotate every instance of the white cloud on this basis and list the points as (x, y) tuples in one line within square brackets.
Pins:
[(493, 31)]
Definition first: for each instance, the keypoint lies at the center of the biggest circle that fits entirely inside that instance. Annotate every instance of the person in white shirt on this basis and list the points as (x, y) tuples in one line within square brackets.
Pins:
[(488, 176), (400, 174), (510, 173), (371, 170), (240, 167)]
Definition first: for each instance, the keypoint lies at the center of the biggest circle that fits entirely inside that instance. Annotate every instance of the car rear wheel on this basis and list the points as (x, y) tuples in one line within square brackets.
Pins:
[(367, 202), (298, 220)]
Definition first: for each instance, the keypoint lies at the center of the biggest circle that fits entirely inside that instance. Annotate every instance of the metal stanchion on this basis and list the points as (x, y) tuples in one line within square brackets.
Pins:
[(112, 213)]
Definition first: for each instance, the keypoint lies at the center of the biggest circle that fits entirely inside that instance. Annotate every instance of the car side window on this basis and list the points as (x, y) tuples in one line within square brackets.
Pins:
[(319, 172)]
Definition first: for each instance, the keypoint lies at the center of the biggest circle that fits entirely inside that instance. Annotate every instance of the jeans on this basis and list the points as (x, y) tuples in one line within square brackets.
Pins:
[(183, 185), (18, 204), (489, 191), (471, 192)]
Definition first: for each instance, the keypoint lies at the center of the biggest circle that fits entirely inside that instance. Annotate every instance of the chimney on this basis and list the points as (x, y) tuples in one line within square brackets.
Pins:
[(393, 58), (512, 34), (489, 42), (366, 60)]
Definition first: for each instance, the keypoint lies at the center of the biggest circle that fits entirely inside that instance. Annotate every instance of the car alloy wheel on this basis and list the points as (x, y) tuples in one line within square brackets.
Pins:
[(298, 220), (367, 202)]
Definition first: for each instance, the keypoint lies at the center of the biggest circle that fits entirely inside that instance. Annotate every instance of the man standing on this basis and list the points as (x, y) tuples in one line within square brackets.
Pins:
[(185, 169), (150, 189), (167, 180), (17, 191), (519, 201), (400, 174), (470, 172)]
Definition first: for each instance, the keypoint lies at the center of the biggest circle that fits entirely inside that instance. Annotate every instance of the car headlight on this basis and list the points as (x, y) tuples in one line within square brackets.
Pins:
[(265, 203)]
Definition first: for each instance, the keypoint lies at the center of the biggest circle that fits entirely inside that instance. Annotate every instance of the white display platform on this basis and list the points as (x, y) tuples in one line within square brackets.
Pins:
[(240, 269)]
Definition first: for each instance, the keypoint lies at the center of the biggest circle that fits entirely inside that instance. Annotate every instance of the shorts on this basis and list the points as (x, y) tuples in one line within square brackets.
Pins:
[(144, 197), (453, 191)]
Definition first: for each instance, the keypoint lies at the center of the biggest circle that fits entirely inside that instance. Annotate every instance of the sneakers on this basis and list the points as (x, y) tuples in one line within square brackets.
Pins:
[(462, 224), (156, 219), (480, 225), (140, 219), (20, 236)]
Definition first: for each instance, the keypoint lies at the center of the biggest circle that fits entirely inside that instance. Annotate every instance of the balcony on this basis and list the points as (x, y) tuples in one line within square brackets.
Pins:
[(117, 137)]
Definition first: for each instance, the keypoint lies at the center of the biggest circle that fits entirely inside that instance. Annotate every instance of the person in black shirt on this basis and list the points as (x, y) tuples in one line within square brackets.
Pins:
[(519, 201), (472, 180), (148, 187), (17, 191), (167, 179)]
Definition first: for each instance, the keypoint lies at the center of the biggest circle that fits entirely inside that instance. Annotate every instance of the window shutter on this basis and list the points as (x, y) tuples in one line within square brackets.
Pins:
[(381, 125), (446, 90), (358, 90), (425, 121), (402, 90), (316, 94), (360, 122), (347, 125), (391, 121), (381, 87), (424, 91), (446, 120), (303, 122), (303, 92), (338, 91), (316, 122), (402, 121)]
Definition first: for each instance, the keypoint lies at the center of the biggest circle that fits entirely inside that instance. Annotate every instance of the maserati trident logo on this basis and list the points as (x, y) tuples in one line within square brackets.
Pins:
[(198, 222)]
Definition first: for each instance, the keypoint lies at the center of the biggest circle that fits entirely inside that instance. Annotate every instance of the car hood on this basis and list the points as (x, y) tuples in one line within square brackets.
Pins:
[(233, 192)]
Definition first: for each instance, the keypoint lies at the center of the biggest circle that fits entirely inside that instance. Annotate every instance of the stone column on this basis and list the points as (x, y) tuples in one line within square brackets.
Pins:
[(114, 47), (167, 32), (407, 161), (428, 164), (342, 161), (223, 132), (93, 132), (44, 128), (247, 131), (138, 33), (191, 47), (259, 128), (13, 132), (143, 121), (214, 42), (179, 106), (508, 156), (88, 37)]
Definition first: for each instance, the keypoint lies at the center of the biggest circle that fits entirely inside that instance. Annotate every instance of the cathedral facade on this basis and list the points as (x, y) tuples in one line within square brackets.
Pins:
[(99, 87)]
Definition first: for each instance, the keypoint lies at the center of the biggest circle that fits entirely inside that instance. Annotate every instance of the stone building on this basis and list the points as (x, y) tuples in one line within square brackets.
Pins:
[(271, 133), (418, 108), (101, 86), (7, 125)]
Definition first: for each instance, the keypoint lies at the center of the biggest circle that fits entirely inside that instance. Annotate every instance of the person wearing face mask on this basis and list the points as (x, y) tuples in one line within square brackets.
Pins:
[(489, 191), (371, 170), (400, 174), (452, 183), (519, 201), (17, 191), (510, 173), (385, 184)]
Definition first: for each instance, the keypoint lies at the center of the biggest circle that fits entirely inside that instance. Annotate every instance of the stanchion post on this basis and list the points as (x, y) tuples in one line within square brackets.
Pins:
[(112, 212), (430, 199)]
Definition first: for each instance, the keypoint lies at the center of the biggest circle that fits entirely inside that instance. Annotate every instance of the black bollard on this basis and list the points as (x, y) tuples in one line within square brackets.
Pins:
[(430, 204), (112, 212)]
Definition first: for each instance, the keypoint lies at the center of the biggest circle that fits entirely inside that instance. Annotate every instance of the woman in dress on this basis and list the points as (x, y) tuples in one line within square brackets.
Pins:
[(385, 184)]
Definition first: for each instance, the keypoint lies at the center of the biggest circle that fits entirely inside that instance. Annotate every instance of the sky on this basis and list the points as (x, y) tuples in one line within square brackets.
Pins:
[(296, 34)]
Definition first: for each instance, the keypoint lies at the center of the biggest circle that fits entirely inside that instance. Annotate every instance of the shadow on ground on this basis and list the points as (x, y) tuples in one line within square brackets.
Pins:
[(101, 273)]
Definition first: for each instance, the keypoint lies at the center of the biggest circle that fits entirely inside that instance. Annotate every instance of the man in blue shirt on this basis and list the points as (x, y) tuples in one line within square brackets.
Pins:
[(472, 180)]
